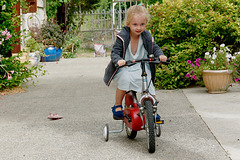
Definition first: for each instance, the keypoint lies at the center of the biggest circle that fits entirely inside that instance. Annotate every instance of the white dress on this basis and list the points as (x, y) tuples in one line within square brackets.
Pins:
[(129, 78)]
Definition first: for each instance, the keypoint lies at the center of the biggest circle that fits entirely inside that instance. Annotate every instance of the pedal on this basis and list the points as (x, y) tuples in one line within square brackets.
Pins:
[(160, 122)]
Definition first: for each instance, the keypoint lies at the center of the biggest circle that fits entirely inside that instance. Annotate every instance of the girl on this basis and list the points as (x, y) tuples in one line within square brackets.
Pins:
[(133, 42)]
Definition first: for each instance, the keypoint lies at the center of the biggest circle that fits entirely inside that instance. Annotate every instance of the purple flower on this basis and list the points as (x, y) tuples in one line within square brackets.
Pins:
[(234, 64), (197, 64), (189, 62), (194, 77), (197, 60), (192, 65), (188, 75), (236, 79), (192, 72)]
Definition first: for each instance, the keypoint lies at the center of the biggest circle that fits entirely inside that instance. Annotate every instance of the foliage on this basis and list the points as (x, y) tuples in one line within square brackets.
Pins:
[(186, 29), (72, 6), (52, 33), (220, 59), (13, 73), (105, 5), (155, 1), (71, 45), (33, 46), (8, 21)]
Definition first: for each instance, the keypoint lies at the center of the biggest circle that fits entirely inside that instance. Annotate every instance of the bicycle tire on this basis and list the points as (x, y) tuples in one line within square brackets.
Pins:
[(131, 134), (149, 122)]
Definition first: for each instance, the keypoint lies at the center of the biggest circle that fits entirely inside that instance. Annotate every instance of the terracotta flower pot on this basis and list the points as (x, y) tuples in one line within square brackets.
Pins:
[(217, 81)]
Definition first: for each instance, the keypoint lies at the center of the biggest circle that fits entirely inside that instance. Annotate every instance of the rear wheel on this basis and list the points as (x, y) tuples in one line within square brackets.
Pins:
[(149, 126), (131, 134)]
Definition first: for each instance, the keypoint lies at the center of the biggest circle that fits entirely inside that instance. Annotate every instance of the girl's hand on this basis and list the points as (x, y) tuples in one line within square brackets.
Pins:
[(121, 62), (163, 58)]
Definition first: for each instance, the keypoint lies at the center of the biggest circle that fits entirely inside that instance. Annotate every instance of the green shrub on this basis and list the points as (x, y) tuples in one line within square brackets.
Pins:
[(52, 33), (186, 29), (71, 44), (13, 73), (33, 46), (8, 21)]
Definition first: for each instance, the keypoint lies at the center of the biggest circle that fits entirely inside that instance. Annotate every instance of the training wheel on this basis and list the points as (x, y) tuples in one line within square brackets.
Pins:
[(158, 130), (106, 132)]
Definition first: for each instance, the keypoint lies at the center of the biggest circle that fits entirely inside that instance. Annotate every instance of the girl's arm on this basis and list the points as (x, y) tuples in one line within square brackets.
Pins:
[(117, 51), (159, 53)]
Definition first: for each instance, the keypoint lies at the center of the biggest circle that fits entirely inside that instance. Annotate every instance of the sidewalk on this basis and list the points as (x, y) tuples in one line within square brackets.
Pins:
[(221, 113)]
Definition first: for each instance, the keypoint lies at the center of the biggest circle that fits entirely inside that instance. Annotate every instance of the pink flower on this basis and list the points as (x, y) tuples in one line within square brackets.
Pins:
[(4, 32), (8, 36), (189, 62), (192, 72), (197, 64), (192, 65), (12, 72), (234, 64), (194, 77), (197, 60), (9, 77), (236, 79), (188, 75)]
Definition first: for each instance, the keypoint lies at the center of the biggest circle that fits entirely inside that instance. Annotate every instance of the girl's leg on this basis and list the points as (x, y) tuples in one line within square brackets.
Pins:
[(119, 98)]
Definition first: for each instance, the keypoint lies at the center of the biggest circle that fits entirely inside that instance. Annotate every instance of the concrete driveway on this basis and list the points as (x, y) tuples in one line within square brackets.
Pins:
[(75, 90)]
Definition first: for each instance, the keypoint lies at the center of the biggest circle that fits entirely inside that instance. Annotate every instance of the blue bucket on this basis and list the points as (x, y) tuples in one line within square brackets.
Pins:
[(50, 53)]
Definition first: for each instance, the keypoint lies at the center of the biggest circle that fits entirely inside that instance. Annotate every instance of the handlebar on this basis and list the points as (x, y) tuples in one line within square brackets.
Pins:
[(154, 60)]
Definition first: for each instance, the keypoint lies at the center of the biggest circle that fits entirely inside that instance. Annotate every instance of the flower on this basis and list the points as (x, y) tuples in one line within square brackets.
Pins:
[(188, 75), (189, 62), (3, 7), (6, 73), (5, 35), (220, 58)]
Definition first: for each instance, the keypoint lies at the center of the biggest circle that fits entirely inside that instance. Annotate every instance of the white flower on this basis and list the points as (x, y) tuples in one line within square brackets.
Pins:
[(228, 49), (222, 45), (233, 57), (228, 55), (214, 56), (4, 7), (214, 49), (207, 53), (212, 62)]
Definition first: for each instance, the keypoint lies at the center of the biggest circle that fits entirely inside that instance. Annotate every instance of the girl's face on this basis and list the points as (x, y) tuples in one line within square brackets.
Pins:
[(137, 25)]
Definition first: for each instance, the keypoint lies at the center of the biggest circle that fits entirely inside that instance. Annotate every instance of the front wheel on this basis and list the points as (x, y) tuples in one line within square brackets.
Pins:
[(149, 126)]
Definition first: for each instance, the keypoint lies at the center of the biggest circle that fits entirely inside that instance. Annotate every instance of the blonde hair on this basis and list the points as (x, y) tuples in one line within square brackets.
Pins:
[(136, 9)]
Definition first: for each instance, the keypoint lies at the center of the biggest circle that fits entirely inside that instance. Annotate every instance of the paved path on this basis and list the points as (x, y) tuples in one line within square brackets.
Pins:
[(74, 89)]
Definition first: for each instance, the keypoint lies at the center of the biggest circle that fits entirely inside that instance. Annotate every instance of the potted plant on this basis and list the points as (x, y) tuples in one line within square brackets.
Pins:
[(217, 70), (53, 38), (35, 51)]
